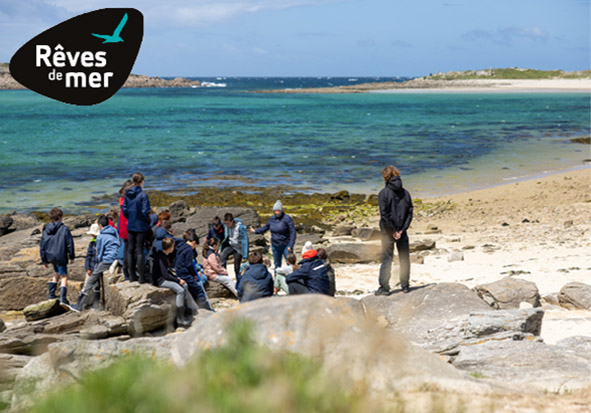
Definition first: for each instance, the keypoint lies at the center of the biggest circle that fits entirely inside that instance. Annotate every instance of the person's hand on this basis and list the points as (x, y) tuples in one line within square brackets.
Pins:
[(88, 272), (397, 235), (182, 282), (290, 250), (46, 266), (252, 230)]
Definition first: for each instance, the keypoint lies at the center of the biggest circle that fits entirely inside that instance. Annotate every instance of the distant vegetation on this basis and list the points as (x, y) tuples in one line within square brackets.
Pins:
[(511, 73)]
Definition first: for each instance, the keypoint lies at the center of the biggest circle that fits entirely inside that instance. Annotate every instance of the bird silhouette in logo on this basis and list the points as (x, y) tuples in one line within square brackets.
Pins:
[(115, 37)]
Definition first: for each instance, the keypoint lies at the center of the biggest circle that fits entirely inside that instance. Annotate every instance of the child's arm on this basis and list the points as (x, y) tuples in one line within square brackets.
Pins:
[(42, 249)]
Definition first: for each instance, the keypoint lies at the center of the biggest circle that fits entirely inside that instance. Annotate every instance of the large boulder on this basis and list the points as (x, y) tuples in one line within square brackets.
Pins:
[(143, 306), (343, 229), (5, 224), (217, 290), (18, 292), (20, 221), (354, 253), (508, 293), (580, 344), (367, 234), (527, 364), (2, 325), (424, 308), (44, 309), (575, 296), (79, 221), (179, 211)]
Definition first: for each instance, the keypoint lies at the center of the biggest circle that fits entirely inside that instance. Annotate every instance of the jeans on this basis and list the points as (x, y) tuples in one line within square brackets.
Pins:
[(226, 282), (62, 270), (226, 252), (178, 289), (94, 278), (279, 251), (198, 293), (135, 256), (388, 242)]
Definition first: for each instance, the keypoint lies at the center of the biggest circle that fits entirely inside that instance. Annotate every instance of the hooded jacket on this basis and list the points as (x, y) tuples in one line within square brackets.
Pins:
[(183, 264), (159, 235), (161, 269), (57, 244), (395, 207), (256, 282), (91, 259), (136, 208), (313, 273), (107, 245), (238, 237), (282, 230), (122, 221), (221, 234), (212, 266)]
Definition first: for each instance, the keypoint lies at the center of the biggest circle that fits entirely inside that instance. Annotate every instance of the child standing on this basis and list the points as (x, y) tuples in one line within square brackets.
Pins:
[(56, 246), (107, 247)]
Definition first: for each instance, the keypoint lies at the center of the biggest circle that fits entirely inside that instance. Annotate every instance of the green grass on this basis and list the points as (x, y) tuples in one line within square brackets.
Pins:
[(512, 73), (240, 376)]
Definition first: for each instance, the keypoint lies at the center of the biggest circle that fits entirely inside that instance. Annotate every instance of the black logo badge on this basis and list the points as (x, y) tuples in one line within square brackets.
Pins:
[(84, 60)]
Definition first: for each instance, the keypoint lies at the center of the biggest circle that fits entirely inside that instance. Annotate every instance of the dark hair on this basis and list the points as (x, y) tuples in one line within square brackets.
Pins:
[(166, 224), (113, 215), (255, 258), (228, 217), (291, 258), (164, 215), (125, 186), (210, 243), (167, 243), (216, 221), (321, 253), (103, 221), (191, 236), (137, 178), (55, 214)]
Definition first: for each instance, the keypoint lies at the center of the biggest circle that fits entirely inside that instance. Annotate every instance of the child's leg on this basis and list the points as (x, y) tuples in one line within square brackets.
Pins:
[(64, 281)]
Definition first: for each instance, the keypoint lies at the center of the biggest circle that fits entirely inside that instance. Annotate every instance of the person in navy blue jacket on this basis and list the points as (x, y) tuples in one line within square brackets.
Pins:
[(311, 277), (107, 250), (91, 261), (256, 282), (283, 233), (185, 270), (136, 208), (56, 246)]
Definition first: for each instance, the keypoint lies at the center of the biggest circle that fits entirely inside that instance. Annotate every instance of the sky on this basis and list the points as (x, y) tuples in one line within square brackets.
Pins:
[(331, 37)]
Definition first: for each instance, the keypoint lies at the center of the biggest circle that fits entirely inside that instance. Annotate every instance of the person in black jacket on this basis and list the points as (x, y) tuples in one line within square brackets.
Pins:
[(395, 218), (256, 282), (163, 278), (56, 246), (311, 277)]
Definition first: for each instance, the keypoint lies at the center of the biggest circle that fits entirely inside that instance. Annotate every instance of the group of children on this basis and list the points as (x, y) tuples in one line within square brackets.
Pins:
[(145, 245)]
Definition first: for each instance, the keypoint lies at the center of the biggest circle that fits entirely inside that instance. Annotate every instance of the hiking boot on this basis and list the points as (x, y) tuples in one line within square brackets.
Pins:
[(382, 291), (406, 289), (52, 288)]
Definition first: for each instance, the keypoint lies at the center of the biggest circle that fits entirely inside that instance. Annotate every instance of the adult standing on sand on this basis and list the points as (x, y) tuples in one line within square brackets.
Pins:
[(136, 208), (395, 217), (283, 233)]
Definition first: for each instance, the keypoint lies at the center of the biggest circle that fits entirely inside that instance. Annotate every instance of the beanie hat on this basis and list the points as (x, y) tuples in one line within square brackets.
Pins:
[(278, 206), (307, 247)]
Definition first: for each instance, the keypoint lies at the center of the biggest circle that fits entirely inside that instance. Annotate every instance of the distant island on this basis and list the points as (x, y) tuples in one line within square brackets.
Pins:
[(516, 79), (133, 81)]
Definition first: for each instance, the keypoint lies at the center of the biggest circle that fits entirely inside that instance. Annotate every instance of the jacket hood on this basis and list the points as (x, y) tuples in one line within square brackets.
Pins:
[(133, 191), (162, 233), (257, 271), (309, 254), (109, 230), (52, 227), (395, 184)]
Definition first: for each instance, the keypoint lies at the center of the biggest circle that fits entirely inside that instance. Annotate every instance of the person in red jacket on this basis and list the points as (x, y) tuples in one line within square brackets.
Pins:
[(122, 226)]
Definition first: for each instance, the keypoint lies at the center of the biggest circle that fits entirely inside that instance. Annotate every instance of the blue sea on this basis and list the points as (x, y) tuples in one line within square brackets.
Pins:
[(56, 154)]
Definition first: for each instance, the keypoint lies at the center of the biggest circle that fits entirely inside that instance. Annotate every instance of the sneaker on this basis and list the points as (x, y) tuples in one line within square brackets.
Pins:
[(406, 289), (382, 291)]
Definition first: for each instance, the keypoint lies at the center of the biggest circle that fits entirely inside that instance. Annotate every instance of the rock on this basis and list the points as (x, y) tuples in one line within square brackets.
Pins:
[(341, 196), (528, 364), (216, 290), (509, 292), (344, 229), (18, 292), (44, 309), (10, 366), (455, 256), (143, 306), (102, 325), (423, 308), (79, 221), (416, 259), (179, 211), (20, 222), (569, 223), (5, 224), (580, 344), (367, 234), (352, 253), (422, 245), (316, 240), (551, 299), (2, 325), (575, 296), (315, 229), (481, 326)]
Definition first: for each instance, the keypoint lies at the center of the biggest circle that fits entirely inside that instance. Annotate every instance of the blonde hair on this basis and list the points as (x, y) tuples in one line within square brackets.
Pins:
[(390, 171)]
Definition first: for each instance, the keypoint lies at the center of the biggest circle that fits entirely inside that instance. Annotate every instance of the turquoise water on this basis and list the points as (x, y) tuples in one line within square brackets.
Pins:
[(52, 153)]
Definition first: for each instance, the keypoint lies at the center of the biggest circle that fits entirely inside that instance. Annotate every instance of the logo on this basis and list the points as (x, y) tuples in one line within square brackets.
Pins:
[(74, 62)]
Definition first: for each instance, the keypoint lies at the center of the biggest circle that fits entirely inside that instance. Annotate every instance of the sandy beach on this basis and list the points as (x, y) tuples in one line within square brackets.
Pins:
[(537, 230)]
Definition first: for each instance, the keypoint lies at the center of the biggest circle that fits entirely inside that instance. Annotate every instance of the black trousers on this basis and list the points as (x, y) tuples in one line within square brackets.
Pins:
[(225, 254), (136, 259), (388, 242), (297, 287)]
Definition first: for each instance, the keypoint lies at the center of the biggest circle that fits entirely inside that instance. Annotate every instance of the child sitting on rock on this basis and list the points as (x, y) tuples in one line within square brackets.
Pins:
[(56, 246), (282, 272), (213, 267), (107, 248), (257, 281)]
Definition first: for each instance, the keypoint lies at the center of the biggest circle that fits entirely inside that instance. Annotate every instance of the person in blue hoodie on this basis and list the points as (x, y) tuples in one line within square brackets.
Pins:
[(56, 246), (256, 282), (283, 233), (237, 242), (185, 269), (136, 208), (311, 277), (107, 248)]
